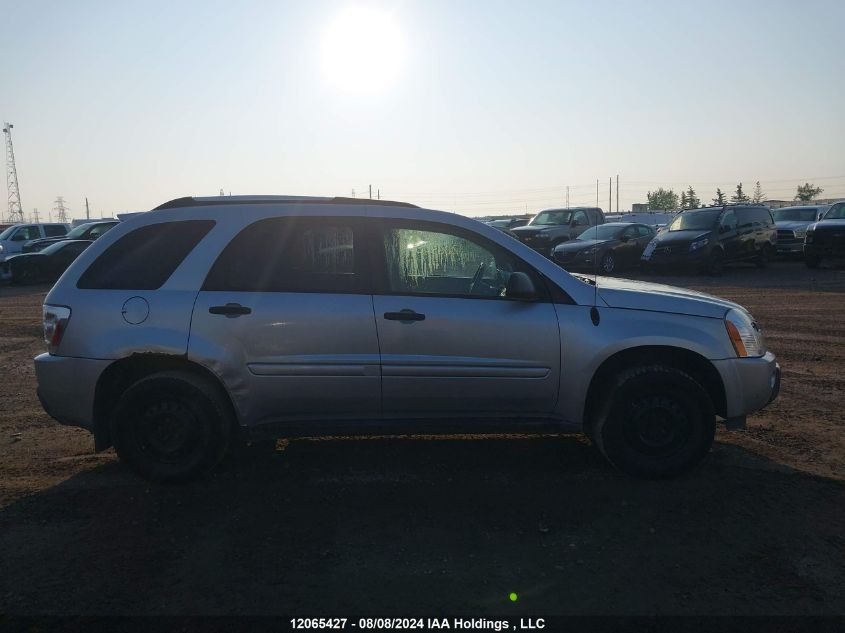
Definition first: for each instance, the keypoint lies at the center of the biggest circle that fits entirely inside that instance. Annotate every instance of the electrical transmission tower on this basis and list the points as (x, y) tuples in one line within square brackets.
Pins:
[(15, 208), (60, 209)]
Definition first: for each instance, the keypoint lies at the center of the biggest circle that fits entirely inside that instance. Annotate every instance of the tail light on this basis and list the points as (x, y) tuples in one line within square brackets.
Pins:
[(55, 323)]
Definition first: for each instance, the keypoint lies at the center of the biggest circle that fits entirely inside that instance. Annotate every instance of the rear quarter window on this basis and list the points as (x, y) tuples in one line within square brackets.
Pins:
[(145, 258)]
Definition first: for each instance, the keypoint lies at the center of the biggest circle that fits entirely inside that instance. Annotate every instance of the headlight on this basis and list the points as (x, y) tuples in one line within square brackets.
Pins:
[(590, 251), (699, 243), (808, 238), (744, 333), (1, 248)]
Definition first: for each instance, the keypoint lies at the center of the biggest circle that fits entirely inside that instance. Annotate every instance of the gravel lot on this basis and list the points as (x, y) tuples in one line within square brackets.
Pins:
[(427, 526)]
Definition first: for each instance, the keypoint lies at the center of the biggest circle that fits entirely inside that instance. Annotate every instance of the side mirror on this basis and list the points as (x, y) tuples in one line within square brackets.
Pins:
[(520, 286), (624, 238)]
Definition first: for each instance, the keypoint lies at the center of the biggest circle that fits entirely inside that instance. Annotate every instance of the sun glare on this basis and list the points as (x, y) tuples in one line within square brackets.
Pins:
[(363, 50)]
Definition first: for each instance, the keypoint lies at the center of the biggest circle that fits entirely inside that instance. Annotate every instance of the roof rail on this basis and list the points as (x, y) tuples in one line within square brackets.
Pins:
[(190, 201)]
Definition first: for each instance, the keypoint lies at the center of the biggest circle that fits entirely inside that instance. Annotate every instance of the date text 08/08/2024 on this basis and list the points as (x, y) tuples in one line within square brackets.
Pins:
[(423, 624)]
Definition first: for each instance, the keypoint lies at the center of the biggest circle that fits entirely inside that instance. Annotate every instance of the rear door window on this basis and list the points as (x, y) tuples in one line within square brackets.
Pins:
[(54, 230), (292, 255), (145, 258)]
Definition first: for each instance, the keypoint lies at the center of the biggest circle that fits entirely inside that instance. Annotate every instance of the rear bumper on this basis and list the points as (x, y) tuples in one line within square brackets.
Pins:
[(750, 383), (66, 387)]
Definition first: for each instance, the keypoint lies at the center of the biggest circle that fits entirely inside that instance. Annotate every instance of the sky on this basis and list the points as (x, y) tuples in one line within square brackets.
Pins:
[(478, 107)]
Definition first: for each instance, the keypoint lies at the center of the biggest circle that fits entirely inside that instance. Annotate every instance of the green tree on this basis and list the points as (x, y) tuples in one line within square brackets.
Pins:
[(692, 200), (720, 199), (683, 199), (758, 195), (807, 192), (662, 200), (739, 196)]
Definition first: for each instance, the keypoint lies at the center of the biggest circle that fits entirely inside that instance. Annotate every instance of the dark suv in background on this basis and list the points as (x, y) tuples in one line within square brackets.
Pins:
[(826, 239), (551, 227), (708, 238)]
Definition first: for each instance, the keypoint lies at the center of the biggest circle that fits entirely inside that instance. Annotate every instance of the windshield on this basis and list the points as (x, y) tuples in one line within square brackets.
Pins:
[(53, 248), (837, 212), (552, 217), (79, 230), (695, 220), (795, 215), (5, 234), (602, 232)]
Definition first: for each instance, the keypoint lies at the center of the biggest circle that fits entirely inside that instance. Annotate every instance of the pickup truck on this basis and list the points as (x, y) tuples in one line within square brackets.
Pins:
[(551, 227)]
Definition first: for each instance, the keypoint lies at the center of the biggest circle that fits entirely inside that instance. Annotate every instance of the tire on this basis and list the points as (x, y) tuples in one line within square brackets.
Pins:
[(812, 261), (608, 263), (764, 257), (657, 422), (172, 426), (715, 263)]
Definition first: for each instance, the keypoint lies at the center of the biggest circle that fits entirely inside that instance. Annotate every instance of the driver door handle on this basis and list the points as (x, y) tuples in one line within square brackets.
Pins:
[(406, 316)]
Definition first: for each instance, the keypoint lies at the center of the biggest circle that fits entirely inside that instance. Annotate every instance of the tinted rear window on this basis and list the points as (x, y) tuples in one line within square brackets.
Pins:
[(145, 258), (54, 230), (290, 255)]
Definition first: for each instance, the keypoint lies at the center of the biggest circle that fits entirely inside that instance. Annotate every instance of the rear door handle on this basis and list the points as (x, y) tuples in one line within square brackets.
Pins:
[(405, 315), (230, 310)]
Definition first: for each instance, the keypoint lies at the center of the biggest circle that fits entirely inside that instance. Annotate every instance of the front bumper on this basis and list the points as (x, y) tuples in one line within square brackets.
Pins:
[(66, 387), (750, 383), (790, 247), (677, 256)]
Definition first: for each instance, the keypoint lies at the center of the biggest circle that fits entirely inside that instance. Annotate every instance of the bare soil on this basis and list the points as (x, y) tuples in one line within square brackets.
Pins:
[(427, 526)]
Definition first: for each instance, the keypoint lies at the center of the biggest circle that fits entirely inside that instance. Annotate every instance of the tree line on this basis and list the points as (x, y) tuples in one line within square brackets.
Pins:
[(664, 199)]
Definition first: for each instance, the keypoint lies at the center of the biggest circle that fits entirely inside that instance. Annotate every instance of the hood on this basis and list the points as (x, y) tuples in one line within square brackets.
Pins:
[(641, 295), (577, 245), (830, 224), (681, 237), (793, 225), (531, 230), (22, 256)]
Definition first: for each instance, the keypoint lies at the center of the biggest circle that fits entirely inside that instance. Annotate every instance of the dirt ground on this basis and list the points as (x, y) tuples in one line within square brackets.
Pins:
[(427, 526)]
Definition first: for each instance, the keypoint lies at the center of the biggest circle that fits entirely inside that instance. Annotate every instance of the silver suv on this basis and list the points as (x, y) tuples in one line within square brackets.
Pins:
[(207, 321)]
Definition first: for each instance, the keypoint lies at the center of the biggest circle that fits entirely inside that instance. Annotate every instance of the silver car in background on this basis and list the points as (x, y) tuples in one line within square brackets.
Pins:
[(208, 320), (792, 223)]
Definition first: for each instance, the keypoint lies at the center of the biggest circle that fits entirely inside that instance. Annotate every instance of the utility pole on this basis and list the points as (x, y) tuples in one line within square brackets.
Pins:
[(597, 192), (378, 194), (617, 193), (87, 210), (353, 193), (60, 209), (15, 207), (371, 192), (610, 194), (567, 196), (35, 214)]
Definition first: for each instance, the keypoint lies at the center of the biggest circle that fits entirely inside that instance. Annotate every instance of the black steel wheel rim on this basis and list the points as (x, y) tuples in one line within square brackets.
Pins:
[(658, 425), (168, 430)]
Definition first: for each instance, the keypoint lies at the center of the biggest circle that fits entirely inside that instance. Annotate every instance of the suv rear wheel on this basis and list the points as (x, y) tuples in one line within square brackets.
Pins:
[(657, 422), (171, 426)]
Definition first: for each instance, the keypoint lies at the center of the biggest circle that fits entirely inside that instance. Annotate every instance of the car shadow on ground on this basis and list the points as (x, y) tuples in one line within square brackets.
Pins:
[(430, 526)]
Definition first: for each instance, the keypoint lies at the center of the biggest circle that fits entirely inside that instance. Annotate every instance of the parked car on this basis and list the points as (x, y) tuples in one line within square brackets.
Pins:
[(826, 239), (48, 265), (792, 223), (706, 239), (608, 247), (551, 227), (505, 224), (14, 237), (210, 319), (88, 231)]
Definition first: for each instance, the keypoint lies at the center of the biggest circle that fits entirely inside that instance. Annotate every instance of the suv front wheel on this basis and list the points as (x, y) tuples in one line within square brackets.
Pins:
[(171, 426), (657, 422)]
